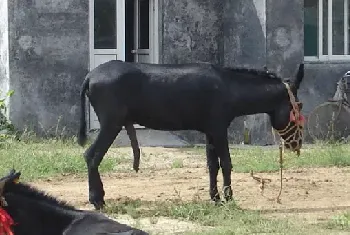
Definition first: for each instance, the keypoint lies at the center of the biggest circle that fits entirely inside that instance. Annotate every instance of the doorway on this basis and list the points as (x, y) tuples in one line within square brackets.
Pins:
[(138, 31), (124, 30)]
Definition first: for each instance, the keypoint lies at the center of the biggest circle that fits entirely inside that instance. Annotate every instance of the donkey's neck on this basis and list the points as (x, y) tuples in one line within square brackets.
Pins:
[(38, 217), (253, 98)]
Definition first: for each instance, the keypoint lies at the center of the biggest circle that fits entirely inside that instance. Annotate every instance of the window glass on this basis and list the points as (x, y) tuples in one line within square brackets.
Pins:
[(310, 27), (105, 30), (144, 24), (325, 27), (338, 27)]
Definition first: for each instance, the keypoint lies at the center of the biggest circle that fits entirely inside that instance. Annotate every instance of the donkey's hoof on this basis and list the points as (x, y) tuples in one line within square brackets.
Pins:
[(227, 190), (98, 205), (216, 200), (97, 202)]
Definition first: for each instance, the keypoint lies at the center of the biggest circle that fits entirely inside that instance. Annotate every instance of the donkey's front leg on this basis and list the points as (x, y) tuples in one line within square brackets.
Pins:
[(222, 150)]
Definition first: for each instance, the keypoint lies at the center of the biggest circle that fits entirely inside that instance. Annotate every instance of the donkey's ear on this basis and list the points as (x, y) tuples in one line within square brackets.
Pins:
[(299, 77), (12, 177)]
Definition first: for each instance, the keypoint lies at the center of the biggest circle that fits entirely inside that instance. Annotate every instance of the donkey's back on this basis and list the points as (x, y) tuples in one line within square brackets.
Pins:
[(168, 76), (158, 96)]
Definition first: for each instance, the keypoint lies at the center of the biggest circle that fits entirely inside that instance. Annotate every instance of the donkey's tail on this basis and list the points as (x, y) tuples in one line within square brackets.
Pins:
[(82, 130)]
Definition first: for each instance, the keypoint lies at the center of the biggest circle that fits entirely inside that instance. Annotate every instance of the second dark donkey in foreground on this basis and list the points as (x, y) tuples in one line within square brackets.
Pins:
[(25, 210)]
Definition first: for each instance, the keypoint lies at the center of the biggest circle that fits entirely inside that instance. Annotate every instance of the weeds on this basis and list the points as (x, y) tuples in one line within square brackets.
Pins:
[(341, 222), (46, 159), (177, 163), (225, 219)]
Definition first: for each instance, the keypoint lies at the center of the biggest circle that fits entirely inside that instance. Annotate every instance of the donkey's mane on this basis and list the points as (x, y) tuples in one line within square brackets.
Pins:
[(257, 72), (36, 194)]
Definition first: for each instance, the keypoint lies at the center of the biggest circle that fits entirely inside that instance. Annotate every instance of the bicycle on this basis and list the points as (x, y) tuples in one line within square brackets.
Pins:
[(330, 121)]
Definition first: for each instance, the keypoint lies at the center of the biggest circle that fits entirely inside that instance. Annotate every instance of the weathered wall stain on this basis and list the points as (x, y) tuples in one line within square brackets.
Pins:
[(191, 31), (244, 37), (49, 58), (285, 36)]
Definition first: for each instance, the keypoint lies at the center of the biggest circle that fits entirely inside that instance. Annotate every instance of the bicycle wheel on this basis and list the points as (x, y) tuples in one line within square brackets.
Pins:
[(329, 121)]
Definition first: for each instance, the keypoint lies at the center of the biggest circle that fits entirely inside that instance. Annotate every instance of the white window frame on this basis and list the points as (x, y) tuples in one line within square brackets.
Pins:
[(330, 56)]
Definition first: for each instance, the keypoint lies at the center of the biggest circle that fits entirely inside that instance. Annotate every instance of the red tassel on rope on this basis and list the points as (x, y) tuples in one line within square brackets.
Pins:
[(5, 223), (299, 121)]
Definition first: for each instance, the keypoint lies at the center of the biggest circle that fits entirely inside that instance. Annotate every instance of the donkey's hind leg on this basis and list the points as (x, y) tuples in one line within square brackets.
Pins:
[(111, 123), (130, 130), (93, 157), (222, 150), (213, 166)]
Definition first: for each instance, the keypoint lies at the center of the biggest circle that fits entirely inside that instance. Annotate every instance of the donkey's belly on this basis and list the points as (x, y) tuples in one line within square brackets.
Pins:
[(166, 121)]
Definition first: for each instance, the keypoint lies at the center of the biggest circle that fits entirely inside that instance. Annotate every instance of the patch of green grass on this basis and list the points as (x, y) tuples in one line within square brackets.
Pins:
[(225, 219), (177, 163), (38, 159), (341, 222), (266, 159), (46, 159)]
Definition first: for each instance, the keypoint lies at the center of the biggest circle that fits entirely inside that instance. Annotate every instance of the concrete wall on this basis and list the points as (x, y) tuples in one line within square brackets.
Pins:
[(49, 54), (191, 31), (244, 28), (320, 84), (285, 36)]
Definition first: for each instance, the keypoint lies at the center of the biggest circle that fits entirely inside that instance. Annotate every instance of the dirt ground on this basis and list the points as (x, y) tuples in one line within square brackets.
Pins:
[(310, 194)]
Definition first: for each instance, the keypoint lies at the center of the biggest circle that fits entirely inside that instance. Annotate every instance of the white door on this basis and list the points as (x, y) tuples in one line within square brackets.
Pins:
[(107, 37), (142, 22), (146, 45)]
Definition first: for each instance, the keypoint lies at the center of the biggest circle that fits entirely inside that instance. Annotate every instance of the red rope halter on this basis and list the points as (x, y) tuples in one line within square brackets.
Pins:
[(296, 117), (6, 221)]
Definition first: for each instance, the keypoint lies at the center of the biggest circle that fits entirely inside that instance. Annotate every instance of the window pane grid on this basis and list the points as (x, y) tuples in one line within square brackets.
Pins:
[(328, 21), (312, 40)]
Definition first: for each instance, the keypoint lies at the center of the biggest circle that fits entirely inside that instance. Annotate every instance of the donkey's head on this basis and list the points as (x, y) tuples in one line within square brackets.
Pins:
[(286, 118), (6, 221), (11, 178)]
